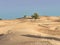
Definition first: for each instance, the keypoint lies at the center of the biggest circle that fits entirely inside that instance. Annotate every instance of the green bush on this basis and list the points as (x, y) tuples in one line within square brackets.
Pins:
[(25, 16), (0, 19), (35, 16)]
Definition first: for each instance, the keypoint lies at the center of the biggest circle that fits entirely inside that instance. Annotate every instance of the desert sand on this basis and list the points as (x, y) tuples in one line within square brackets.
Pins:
[(43, 31)]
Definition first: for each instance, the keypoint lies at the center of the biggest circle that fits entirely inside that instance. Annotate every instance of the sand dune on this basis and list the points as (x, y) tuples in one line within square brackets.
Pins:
[(30, 32)]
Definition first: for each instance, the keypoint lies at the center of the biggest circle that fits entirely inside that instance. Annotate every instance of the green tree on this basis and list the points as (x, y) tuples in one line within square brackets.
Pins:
[(35, 16)]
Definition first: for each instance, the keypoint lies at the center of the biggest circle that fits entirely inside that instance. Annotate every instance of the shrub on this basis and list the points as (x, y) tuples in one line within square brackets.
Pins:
[(0, 19), (25, 16), (35, 16)]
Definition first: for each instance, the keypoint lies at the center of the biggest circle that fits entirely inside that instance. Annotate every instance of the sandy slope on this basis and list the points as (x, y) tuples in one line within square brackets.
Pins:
[(17, 32)]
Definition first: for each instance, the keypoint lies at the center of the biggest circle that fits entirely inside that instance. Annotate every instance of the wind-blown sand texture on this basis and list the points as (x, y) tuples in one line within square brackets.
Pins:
[(43, 31)]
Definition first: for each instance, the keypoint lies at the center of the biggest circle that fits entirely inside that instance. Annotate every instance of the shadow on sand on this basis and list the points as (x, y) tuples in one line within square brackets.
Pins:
[(43, 37)]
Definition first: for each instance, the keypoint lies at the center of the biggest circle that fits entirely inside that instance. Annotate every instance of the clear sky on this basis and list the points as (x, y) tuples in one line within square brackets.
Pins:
[(17, 8)]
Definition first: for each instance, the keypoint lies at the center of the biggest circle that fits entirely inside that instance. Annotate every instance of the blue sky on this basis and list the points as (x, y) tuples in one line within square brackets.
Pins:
[(10, 9)]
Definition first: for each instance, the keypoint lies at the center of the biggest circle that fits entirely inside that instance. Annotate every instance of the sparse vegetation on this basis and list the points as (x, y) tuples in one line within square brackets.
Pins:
[(0, 18), (35, 16), (25, 16)]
